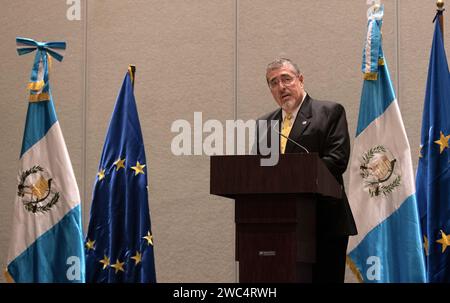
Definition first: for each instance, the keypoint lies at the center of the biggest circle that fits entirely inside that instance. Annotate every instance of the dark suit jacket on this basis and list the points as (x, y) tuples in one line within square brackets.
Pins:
[(321, 126)]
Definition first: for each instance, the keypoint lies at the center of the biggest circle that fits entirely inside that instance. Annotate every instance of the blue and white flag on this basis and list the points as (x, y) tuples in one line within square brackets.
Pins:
[(433, 174), (382, 196), (46, 242)]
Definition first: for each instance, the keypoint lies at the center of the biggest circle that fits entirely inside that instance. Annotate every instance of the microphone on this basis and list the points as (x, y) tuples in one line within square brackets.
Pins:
[(299, 145)]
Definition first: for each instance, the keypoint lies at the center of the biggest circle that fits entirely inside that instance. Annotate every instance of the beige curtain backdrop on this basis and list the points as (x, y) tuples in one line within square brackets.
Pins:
[(204, 56)]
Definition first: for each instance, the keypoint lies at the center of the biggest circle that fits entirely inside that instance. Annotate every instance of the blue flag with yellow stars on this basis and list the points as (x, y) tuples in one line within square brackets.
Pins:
[(119, 243), (433, 173)]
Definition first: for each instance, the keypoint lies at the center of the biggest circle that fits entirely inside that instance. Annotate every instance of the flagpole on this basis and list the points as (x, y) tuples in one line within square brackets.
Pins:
[(132, 69), (440, 5)]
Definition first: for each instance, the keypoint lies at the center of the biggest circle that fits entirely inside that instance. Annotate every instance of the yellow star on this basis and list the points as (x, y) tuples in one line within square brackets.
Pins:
[(445, 241), (137, 258), (443, 142), (425, 245), (90, 244), (105, 262), (149, 238), (119, 164), (139, 168), (101, 175), (118, 266)]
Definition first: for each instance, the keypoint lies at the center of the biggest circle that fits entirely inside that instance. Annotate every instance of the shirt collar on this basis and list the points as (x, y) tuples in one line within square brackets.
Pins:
[(294, 114)]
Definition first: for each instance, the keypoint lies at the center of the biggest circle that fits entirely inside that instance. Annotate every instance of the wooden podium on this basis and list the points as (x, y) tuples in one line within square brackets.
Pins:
[(275, 212)]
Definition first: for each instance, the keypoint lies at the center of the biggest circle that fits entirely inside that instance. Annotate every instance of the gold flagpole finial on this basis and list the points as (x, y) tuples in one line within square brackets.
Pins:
[(377, 5), (132, 70), (440, 15)]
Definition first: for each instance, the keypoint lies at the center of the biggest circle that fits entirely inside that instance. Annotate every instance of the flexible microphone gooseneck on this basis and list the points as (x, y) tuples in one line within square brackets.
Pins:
[(299, 145)]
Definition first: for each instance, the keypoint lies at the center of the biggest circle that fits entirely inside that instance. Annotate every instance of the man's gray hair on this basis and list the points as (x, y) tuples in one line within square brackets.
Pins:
[(278, 63)]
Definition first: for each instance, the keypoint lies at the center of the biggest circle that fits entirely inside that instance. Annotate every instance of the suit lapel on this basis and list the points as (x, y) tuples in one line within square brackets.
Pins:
[(301, 123), (277, 116)]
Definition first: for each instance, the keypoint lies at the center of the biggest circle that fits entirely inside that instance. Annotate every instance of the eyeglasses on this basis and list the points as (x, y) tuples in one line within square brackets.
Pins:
[(287, 80)]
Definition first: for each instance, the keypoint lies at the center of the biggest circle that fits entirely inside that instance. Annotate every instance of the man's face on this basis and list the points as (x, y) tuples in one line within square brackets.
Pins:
[(286, 87)]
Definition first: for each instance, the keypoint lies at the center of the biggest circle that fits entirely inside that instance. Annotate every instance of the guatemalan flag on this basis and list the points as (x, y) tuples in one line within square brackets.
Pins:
[(46, 242), (382, 196)]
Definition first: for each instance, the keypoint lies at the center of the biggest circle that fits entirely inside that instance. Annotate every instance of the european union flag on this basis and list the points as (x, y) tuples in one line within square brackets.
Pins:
[(119, 243), (433, 173)]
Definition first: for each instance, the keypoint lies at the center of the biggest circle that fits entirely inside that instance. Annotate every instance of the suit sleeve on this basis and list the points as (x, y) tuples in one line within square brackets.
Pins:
[(336, 151)]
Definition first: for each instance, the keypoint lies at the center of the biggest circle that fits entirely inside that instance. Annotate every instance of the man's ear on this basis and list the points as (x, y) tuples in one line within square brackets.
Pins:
[(300, 78)]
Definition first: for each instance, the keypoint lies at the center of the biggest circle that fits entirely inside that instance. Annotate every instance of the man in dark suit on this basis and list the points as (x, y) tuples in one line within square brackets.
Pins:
[(317, 126)]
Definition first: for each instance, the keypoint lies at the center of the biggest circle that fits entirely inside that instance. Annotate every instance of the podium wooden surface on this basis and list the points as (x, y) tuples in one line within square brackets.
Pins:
[(275, 212)]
